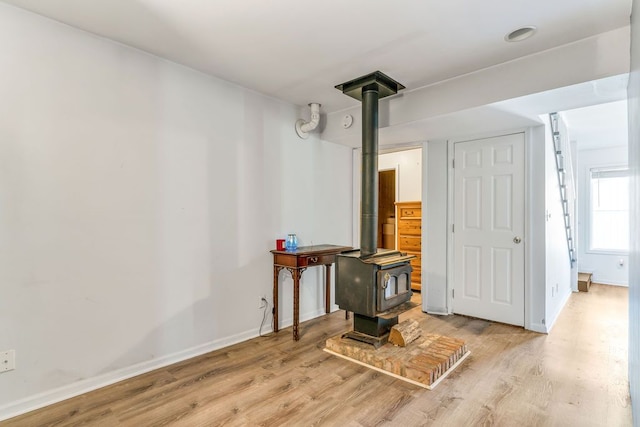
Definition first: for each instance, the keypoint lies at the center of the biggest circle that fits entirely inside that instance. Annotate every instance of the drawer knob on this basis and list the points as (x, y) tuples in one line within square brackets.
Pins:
[(313, 259)]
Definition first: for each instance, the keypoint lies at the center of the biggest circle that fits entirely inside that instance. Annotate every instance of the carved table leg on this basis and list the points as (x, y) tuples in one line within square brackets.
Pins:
[(327, 289), (276, 271), (297, 274)]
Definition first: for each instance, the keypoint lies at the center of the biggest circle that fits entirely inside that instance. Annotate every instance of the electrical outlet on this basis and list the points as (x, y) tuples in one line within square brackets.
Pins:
[(7, 360), (262, 301)]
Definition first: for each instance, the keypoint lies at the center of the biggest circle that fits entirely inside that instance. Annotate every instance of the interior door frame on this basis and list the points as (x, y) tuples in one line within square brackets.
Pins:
[(397, 195), (528, 296), (355, 199)]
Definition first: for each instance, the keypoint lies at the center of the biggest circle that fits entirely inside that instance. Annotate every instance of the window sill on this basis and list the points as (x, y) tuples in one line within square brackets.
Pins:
[(607, 252)]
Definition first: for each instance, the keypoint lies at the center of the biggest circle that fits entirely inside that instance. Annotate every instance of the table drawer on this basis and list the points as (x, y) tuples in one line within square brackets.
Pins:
[(309, 261), (293, 260)]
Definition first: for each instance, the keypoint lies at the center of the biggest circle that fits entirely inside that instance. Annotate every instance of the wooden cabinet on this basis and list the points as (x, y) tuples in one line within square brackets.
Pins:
[(409, 218)]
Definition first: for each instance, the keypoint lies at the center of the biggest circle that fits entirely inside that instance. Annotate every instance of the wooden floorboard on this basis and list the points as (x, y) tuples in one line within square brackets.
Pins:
[(577, 375)]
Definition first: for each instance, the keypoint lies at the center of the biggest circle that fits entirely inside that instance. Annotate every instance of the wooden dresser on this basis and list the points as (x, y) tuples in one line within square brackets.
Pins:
[(409, 218)]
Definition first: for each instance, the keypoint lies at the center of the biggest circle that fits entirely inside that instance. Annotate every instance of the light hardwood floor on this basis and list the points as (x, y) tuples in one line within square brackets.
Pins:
[(575, 376)]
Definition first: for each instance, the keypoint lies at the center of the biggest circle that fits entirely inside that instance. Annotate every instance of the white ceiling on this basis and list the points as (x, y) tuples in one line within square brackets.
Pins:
[(598, 126), (298, 50)]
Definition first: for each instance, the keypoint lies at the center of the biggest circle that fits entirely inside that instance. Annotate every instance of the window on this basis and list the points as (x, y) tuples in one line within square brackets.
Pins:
[(609, 212)]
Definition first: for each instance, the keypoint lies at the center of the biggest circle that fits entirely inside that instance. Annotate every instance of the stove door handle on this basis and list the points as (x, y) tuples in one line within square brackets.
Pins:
[(386, 281)]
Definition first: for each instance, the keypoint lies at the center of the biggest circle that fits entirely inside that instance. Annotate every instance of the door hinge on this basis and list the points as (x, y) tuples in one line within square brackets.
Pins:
[(453, 293), (453, 228), (453, 163)]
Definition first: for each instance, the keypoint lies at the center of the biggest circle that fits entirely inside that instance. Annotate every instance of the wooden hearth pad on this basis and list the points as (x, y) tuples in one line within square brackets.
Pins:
[(425, 362)]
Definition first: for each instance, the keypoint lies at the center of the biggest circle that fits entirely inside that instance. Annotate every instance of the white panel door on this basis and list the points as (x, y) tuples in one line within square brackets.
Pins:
[(489, 229)]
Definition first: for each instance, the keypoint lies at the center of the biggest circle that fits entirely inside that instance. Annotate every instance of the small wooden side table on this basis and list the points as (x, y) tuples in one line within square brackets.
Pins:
[(297, 262)]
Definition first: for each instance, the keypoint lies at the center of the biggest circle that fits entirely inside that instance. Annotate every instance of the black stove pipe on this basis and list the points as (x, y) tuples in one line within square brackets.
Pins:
[(369, 89), (369, 185)]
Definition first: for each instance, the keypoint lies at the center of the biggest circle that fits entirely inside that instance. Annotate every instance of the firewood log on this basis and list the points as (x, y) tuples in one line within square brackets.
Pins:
[(404, 333)]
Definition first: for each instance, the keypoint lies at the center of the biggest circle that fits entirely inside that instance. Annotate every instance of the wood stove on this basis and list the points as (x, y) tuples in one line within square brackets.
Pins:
[(374, 285)]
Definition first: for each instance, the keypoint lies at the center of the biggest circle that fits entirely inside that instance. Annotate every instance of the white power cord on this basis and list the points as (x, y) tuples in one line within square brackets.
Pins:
[(264, 317)]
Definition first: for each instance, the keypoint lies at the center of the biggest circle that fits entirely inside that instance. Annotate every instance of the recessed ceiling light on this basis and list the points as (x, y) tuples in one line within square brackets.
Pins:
[(520, 34)]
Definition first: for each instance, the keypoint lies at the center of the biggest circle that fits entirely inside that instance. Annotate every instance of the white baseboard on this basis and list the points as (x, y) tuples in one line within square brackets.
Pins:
[(538, 327), (31, 403), (438, 311), (288, 321), (59, 394), (610, 282), (552, 322)]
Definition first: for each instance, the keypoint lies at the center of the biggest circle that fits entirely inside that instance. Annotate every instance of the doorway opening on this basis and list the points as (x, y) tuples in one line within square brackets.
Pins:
[(386, 209), (599, 145)]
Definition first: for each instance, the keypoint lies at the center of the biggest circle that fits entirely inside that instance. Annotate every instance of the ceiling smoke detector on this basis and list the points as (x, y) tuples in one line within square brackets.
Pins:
[(520, 34)]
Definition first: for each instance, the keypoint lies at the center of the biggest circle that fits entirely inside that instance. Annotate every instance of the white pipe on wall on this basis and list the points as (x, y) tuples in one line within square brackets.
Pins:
[(303, 128)]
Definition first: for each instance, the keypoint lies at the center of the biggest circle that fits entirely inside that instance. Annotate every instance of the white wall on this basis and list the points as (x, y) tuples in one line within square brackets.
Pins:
[(634, 165), (138, 203), (573, 149), (605, 267), (535, 241), (434, 231), (409, 164), (407, 118)]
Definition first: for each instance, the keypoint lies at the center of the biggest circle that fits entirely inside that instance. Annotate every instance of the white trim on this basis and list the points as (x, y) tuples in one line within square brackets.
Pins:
[(59, 394), (528, 251), (397, 190), (538, 327), (450, 219), (40, 400), (396, 199), (588, 167), (551, 323), (284, 323), (609, 282), (437, 311), (424, 194), (355, 199), (603, 251)]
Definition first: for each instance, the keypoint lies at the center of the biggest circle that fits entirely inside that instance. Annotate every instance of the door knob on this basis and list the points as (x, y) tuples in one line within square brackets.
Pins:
[(517, 239)]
